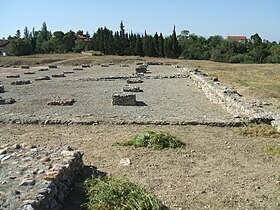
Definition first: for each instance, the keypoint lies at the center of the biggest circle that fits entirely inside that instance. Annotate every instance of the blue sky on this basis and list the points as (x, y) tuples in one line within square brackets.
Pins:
[(202, 17)]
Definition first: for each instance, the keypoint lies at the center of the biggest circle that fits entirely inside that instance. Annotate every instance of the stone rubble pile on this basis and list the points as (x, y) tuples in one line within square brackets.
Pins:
[(4, 101), (231, 100), (61, 102), (37, 177), (21, 82), (132, 89)]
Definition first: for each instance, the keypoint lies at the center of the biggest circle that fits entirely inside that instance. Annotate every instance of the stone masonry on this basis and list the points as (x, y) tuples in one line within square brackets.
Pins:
[(124, 99), (37, 178), (231, 100)]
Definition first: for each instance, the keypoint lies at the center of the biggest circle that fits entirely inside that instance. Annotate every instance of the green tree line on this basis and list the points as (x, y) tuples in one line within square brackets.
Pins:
[(108, 42)]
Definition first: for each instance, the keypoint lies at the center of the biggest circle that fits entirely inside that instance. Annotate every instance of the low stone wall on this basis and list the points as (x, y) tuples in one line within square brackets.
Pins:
[(231, 100), (37, 178)]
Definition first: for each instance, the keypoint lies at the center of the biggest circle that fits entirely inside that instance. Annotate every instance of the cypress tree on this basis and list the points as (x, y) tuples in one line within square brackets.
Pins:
[(139, 46), (176, 50)]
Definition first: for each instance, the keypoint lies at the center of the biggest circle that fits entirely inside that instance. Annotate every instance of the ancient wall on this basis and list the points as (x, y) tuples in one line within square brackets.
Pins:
[(231, 100), (37, 177)]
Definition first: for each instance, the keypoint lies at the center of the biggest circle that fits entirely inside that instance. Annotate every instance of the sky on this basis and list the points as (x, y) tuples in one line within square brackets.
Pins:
[(201, 17)]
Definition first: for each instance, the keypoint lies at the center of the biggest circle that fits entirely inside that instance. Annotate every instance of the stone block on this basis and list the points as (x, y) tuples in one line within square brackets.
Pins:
[(134, 80), (24, 67), (13, 76), (42, 78), (124, 99), (21, 82), (132, 89), (52, 66), (58, 75), (2, 89)]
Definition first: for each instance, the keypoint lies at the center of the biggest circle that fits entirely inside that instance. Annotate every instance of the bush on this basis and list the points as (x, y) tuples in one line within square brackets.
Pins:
[(105, 193), (157, 140), (236, 59), (273, 59)]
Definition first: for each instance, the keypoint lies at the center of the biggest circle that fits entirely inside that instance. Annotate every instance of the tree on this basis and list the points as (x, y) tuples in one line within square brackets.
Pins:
[(26, 33), (176, 50), (17, 34), (43, 36), (139, 46), (161, 46), (20, 47), (256, 38)]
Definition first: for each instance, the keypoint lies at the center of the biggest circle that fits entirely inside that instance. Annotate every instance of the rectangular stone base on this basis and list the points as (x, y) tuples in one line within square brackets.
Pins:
[(124, 99)]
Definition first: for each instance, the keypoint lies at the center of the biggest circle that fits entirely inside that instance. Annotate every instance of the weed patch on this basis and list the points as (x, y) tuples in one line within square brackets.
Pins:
[(273, 150), (259, 131), (157, 140), (106, 193)]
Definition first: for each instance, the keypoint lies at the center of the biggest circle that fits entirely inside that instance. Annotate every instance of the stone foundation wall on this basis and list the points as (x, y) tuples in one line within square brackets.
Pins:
[(37, 178), (231, 100)]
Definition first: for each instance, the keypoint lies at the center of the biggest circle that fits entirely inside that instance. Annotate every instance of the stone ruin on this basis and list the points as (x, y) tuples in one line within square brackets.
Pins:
[(128, 88), (68, 72), (124, 65), (231, 100), (154, 63), (2, 89), (134, 80), (4, 101), (58, 75), (13, 76), (121, 99), (85, 65), (52, 66), (141, 69), (104, 65), (24, 67), (43, 69), (61, 102), (28, 72), (42, 78), (37, 177), (21, 82), (78, 69)]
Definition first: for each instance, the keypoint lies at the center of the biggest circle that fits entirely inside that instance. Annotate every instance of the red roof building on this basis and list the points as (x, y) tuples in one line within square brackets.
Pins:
[(237, 38)]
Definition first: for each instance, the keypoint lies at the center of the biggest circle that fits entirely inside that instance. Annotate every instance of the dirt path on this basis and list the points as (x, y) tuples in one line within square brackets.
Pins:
[(218, 168)]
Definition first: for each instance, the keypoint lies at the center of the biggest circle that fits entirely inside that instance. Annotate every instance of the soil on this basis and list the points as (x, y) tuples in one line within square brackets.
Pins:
[(218, 168)]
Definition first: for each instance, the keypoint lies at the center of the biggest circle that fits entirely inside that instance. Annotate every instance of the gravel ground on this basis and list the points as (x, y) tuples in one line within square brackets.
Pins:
[(172, 99)]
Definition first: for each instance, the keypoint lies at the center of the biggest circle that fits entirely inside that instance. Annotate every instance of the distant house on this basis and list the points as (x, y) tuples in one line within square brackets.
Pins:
[(4, 46), (237, 38), (86, 39)]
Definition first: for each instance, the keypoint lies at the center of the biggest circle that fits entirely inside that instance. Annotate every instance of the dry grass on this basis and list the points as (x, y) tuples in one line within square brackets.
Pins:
[(260, 131)]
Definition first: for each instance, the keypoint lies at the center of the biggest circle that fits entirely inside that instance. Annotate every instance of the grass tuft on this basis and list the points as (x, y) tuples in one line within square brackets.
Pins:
[(117, 194), (272, 150), (157, 140), (260, 131)]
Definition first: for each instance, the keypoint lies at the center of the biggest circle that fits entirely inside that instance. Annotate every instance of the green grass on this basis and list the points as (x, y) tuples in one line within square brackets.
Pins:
[(105, 193), (156, 140), (272, 150), (259, 131)]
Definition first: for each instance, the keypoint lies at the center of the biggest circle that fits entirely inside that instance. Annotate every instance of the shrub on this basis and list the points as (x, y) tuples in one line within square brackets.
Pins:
[(236, 59), (105, 193), (157, 140), (273, 59), (260, 131)]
